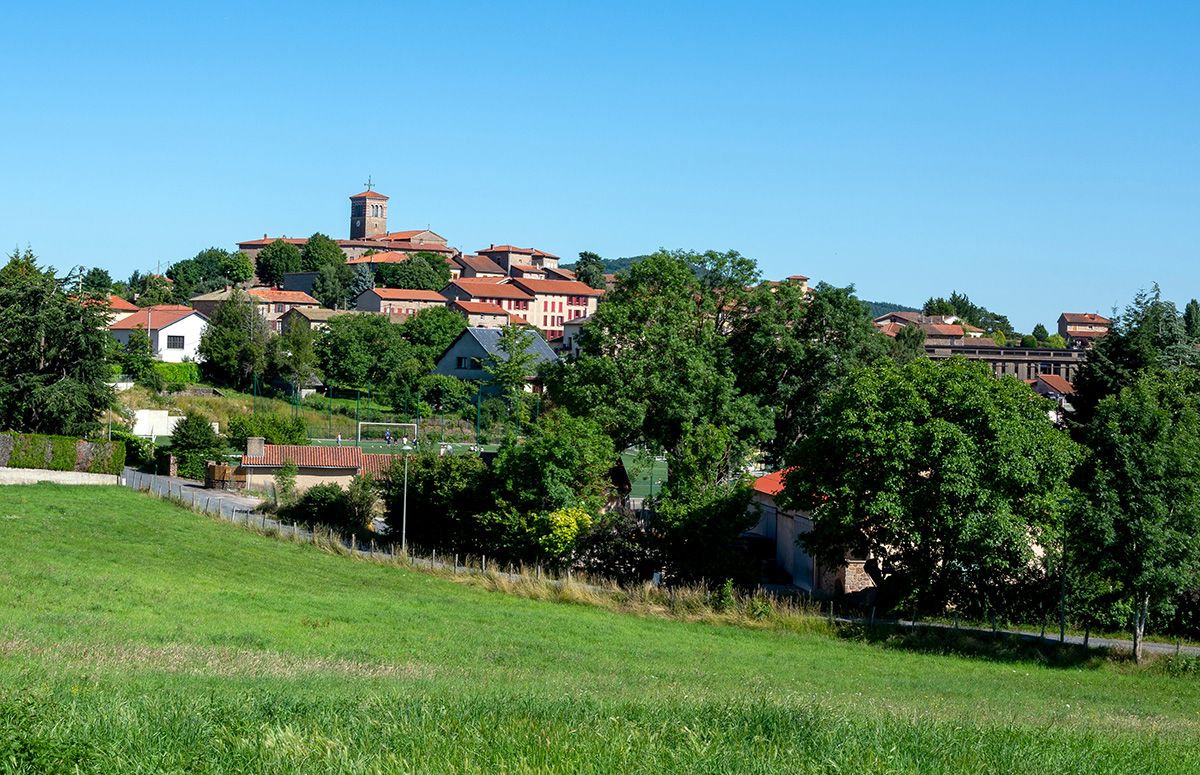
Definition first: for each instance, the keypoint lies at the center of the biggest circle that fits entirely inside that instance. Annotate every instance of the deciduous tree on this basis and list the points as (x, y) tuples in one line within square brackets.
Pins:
[(234, 345), (589, 269), (276, 259)]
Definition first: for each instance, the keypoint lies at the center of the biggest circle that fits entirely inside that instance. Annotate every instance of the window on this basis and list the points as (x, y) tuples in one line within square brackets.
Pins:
[(174, 342), (281, 308), (465, 363)]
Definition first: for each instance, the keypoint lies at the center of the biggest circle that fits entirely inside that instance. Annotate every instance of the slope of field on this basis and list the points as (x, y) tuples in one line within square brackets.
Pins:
[(135, 636)]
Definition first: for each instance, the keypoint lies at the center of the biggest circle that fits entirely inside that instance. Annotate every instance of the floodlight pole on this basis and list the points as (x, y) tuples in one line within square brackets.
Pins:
[(404, 509)]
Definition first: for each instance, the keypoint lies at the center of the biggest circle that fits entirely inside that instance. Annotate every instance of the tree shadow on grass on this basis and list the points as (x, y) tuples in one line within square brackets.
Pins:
[(976, 644)]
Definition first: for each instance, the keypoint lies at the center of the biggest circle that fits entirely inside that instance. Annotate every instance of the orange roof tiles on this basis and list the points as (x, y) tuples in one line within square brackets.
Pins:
[(1057, 384), (304, 456), (387, 257), (481, 264), (515, 249), (482, 288), (479, 307), (559, 287), (121, 305), (771, 484), (1085, 317), (153, 318), (408, 294), (369, 195), (274, 295), (942, 329)]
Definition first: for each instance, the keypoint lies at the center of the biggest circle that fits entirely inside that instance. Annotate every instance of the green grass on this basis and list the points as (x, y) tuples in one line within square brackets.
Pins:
[(136, 636)]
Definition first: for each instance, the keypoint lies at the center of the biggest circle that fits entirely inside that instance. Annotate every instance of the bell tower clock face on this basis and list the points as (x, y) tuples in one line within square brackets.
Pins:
[(358, 222)]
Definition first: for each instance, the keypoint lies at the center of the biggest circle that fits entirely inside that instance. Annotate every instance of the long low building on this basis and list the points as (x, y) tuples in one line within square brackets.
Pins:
[(1021, 362)]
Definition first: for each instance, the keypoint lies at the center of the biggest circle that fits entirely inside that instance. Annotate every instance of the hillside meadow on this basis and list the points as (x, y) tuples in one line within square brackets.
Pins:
[(136, 636)]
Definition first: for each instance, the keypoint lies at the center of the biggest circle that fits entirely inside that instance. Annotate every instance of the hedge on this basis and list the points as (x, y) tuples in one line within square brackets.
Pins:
[(186, 373), (61, 453), (275, 428)]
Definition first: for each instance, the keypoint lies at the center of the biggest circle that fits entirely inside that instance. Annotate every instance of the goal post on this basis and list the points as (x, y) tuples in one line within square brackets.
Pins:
[(406, 429)]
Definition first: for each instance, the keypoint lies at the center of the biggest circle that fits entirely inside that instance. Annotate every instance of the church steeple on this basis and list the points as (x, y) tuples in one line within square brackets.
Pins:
[(368, 213)]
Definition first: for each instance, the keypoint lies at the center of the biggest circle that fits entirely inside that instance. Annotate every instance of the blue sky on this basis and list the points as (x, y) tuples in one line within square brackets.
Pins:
[(1040, 157)]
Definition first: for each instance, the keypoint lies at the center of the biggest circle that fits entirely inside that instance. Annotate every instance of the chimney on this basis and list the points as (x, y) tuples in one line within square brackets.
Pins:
[(256, 446)]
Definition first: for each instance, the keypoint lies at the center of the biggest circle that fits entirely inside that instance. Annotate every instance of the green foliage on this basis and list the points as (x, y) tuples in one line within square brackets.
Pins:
[(960, 305), (137, 360), (1138, 526), (509, 370), (194, 443), (1029, 340), (558, 531), (590, 269), (943, 473), (422, 271), (877, 308), (432, 330), (292, 356), (275, 260), (1191, 319), (1149, 336), (331, 286), (361, 281), (564, 462), (285, 483), (1040, 333), (185, 373), (328, 505), (362, 351), (136, 450), (275, 428), (361, 497), (209, 270), (97, 281), (61, 453), (909, 344), (234, 345), (1055, 341), (236, 267), (319, 252), (445, 493), (147, 290), (53, 341)]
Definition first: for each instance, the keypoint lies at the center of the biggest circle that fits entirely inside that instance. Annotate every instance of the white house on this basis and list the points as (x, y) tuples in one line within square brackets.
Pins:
[(174, 331)]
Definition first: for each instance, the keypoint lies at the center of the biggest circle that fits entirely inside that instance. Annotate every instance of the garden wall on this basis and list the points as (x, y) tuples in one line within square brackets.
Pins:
[(61, 453)]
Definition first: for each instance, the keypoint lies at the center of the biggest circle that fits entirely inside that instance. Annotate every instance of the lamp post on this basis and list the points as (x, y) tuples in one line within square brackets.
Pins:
[(404, 509)]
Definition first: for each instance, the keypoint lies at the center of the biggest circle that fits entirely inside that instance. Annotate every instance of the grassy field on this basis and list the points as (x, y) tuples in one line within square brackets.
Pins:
[(138, 637)]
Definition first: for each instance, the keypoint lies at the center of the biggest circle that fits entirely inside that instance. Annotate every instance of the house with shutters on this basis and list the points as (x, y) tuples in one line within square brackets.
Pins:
[(466, 355), (554, 302), (1082, 329), (398, 301), (496, 291), (174, 331), (271, 303), (481, 314)]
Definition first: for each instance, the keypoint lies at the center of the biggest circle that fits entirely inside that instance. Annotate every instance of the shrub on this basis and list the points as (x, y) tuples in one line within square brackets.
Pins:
[(186, 373), (324, 504), (61, 453), (193, 443), (136, 451), (275, 428), (285, 483)]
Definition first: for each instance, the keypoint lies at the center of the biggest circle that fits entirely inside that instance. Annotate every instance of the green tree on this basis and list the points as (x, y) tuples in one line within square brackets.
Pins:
[(292, 356), (909, 344), (236, 267), (791, 348), (422, 271), (589, 269), (234, 344), (153, 289), (1140, 522), (1029, 340), (509, 370), (961, 306), (999, 338), (97, 281), (445, 494), (1149, 336), (432, 330), (563, 462), (329, 286), (285, 483), (53, 340), (194, 443), (941, 472), (1191, 319), (362, 351), (137, 360), (361, 281), (1040, 333), (275, 260), (1056, 341), (320, 251)]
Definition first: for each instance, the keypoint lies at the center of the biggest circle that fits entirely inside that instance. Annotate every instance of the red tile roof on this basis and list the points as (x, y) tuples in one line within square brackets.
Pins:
[(481, 264), (526, 268), (158, 316), (482, 288), (304, 456), (268, 240), (515, 249), (891, 328), (560, 287), (942, 329), (377, 464), (386, 257), (564, 274), (275, 295), (911, 317), (479, 308), (408, 294), (771, 484), (1057, 384), (797, 277), (369, 195), (121, 305), (1084, 317)]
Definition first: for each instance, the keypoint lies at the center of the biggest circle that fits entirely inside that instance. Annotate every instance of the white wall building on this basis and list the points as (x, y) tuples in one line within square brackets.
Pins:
[(174, 331)]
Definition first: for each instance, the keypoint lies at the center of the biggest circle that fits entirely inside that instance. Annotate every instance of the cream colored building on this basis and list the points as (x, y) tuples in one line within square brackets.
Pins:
[(555, 302), (316, 464), (271, 303), (398, 301)]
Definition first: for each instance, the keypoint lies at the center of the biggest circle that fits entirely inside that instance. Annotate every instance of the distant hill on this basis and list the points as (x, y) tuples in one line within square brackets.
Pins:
[(878, 308), (613, 265)]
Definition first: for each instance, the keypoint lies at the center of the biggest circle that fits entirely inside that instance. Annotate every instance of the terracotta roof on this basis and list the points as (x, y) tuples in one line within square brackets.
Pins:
[(771, 484), (408, 235), (305, 456), (1057, 384), (1084, 317), (970, 329), (563, 274), (891, 328), (1085, 334), (561, 287), (406, 246), (481, 264), (797, 277), (515, 249), (526, 268), (121, 305), (275, 295), (369, 195), (911, 317), (321, 314), (489, 290), (406, 294), (942, 329), (154, 318), (268, 240), (386, 257), (479, 308), (377, 464)]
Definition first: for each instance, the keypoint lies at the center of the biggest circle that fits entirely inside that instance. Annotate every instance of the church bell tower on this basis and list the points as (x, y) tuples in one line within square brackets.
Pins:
[(368, 214)]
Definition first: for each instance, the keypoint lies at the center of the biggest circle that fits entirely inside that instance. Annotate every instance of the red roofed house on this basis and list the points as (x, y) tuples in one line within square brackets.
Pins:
[(478, 266), (491, 291), (781, 527), (1082, 329), (507, 255), (174, 331), (557, 301), (119, 309), (482, 314), (398, 301), (317, 464), (271, 303)]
